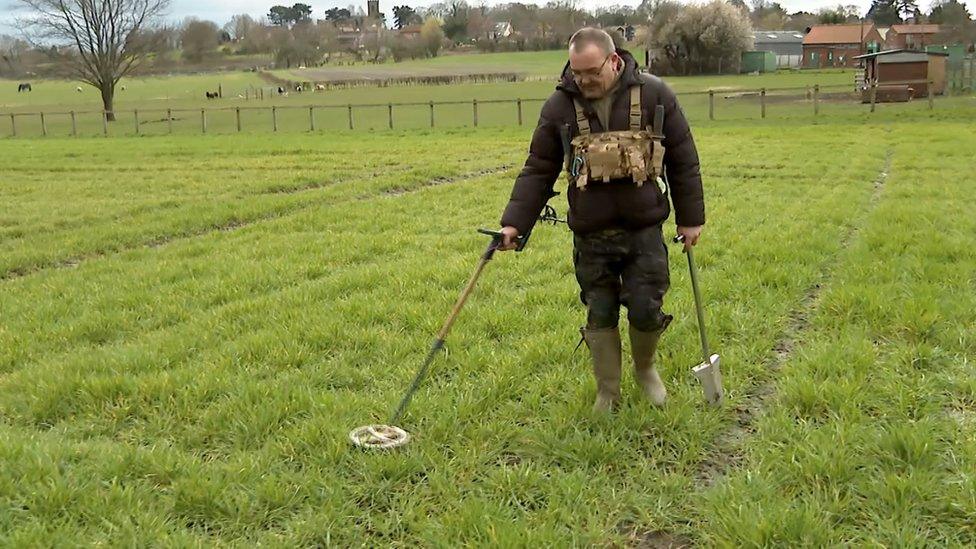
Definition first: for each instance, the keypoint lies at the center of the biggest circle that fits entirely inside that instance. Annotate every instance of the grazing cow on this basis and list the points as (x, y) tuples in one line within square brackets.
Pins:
[(24, 87), (78, 89), (298, 88), (212, 95), (281, 90), (319, 87)]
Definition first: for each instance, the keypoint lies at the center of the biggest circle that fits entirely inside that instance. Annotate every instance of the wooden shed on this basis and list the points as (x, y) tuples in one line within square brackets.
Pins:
[(901, 75)]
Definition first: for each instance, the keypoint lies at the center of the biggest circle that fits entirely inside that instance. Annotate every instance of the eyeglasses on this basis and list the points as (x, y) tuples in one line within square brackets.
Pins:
[(590, 73)]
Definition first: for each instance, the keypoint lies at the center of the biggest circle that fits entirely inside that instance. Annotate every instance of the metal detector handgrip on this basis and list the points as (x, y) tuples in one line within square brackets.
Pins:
[(497, 238)]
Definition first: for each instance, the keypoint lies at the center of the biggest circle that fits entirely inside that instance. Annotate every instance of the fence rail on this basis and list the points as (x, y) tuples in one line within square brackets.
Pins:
[(271, 115)]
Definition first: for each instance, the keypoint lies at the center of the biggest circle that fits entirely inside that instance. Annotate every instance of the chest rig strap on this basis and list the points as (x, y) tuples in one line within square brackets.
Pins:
[(635, 113), (635, 109)]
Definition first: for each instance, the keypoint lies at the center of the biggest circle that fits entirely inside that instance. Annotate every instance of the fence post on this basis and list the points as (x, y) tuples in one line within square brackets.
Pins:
[(220, 91), (762, 101), (931, 87), (518, 103), (105, 123), (816, 99), (262, 94), (390, 111), (203, 120), (431, 114), (350, 116), (274, 118), (135, 114), (711, 104), (13, 124), (247, 94), (311, 119), (43, 125), (972, 74), (874, 93), (74, 125), (237, 115), (474, 111)]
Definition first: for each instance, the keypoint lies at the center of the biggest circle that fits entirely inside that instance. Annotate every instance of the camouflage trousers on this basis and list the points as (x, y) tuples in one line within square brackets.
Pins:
[(617, 267)]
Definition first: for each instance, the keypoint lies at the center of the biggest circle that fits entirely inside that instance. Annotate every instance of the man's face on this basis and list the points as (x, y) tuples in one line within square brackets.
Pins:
[(593, 70)]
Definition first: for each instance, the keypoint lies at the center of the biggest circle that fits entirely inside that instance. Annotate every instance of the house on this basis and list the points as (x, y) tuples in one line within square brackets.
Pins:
[(627, 32), (912, 37), (787, 46), (903, 74), (501, 30), (410, 31), (837, 45)]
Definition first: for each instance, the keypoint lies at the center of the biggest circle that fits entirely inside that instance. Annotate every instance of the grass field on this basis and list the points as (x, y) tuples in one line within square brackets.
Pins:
[(192, 324)]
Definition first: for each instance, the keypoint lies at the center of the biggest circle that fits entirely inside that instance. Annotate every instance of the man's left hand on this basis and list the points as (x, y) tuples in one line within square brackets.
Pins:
[(691, 235)]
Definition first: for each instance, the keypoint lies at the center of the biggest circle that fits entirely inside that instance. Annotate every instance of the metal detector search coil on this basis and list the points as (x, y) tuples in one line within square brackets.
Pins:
[(379, 437)]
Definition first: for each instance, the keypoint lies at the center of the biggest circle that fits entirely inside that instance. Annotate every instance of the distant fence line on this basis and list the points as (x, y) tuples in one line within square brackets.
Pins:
[(814, 93)]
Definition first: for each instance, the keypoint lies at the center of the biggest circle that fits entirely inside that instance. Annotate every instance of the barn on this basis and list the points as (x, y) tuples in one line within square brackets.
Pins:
[(787, 46), (837, 45), (903, 74)]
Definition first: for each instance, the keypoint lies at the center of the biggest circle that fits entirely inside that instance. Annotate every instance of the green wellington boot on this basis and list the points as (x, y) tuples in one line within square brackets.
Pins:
[(643, 346), (604, 345)]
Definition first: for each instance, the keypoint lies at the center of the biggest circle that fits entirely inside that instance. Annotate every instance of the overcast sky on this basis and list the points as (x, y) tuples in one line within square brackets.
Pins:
[(220, 11)]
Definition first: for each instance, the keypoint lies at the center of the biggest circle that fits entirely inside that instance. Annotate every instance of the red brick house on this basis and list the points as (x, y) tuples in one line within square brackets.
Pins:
[(911, 37), (837, 45)]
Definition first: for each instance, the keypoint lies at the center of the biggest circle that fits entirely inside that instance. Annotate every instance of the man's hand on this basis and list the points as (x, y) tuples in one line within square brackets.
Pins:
[(691, 235), (509, 234)]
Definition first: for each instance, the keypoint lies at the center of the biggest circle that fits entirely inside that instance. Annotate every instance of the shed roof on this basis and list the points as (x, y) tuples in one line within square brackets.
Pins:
[(900, 56), (777, 37), (837, 34), (915, 29)]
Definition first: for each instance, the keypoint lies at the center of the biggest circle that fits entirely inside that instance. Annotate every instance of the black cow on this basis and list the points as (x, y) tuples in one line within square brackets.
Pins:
[(212, 95), (24, 87), (281, 90)]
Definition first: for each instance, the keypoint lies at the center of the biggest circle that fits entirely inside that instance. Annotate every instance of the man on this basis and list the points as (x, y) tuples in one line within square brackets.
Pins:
[(619, 254)]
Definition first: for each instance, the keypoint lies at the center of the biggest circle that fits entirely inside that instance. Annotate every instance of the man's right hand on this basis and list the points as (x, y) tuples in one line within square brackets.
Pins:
[(509, 234)]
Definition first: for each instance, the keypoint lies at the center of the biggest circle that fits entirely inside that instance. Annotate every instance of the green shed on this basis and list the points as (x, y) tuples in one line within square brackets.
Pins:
[(758, 61), (956, 52)]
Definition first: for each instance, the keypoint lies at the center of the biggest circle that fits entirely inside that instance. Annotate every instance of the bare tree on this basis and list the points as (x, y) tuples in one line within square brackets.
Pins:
[(110, 37)]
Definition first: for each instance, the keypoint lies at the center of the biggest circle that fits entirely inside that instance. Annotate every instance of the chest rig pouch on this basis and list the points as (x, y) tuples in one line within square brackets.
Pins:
[(636, 153)]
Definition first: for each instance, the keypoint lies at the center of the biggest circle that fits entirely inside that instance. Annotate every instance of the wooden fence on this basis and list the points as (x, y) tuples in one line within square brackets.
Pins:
[(813, 94)]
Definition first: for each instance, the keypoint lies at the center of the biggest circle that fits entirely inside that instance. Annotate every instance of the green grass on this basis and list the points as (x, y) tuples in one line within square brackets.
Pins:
[(184, 352)]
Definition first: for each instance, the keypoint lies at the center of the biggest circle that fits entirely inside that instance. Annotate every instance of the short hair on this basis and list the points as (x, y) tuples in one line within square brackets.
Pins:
[(592, 36)]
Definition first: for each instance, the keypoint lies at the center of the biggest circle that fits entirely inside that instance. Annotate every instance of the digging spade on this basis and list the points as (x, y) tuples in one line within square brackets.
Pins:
[(707, 372)]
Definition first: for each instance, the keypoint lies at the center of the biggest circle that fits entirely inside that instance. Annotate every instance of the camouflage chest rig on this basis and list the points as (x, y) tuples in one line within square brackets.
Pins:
[(635, 153)]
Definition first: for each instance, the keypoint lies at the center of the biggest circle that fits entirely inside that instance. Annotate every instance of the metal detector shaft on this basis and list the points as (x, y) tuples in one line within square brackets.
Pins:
[(446, 328)]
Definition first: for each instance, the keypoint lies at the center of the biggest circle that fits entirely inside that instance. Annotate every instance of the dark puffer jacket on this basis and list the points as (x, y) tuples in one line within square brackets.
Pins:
[(619, 203)]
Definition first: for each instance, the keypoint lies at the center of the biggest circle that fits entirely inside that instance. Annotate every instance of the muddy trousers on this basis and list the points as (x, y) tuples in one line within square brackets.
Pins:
[(618, 267)]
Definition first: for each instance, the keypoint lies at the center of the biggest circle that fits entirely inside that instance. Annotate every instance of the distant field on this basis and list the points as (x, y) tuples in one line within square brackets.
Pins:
[(542, 64), (192, 324)]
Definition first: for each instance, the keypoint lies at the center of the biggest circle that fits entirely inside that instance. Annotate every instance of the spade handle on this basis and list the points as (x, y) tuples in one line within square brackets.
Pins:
[(693, 269)]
